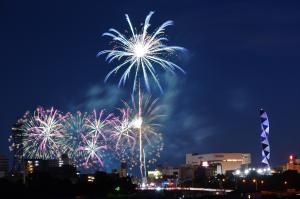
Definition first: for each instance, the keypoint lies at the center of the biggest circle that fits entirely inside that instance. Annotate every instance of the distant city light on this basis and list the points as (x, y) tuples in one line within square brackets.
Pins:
[(260, 171), (91, 178), (143, 185), (291, 159), (205, 164)]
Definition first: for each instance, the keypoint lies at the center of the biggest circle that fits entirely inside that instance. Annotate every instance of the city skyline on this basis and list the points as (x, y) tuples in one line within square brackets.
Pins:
[(240, 57)]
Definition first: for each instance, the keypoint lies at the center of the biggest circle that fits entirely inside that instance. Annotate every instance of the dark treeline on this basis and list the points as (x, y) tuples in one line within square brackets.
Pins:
[(45, 185)]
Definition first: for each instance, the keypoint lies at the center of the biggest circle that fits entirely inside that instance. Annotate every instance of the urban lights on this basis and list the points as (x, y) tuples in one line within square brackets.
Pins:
[(260, 171)]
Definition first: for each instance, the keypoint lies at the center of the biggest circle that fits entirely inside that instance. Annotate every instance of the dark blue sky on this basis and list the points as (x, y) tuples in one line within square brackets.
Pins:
[(242, 55)]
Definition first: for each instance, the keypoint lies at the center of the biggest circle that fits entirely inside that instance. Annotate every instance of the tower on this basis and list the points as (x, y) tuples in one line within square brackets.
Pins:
[(16, 144), (265, 138), (17, 138)]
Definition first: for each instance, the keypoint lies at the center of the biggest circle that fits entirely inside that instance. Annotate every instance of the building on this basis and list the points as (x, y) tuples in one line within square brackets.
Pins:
[(224, 161), (36, 169), (16, 140), (64, 160), (123, 170), (195, 175), (292, 164), (154, 175), (37, 165), (3, 166), (170, 171)]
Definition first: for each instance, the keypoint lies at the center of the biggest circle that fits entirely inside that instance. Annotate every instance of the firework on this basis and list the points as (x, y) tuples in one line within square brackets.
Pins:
[(123, 138), (98, 123), (93, 145), (146, 117), (92, 149), (136, 133), (90, 139), (42, 134), (141, 52), (75, 126)]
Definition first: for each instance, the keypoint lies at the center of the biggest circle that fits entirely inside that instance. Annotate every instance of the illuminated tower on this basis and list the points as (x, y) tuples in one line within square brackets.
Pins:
[(264, 138)]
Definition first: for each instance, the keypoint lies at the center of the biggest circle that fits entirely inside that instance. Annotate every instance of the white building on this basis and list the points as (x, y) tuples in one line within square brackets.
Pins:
[(225, 161)]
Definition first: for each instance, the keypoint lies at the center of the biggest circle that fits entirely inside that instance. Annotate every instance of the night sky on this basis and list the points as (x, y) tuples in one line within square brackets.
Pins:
[(241, 56)]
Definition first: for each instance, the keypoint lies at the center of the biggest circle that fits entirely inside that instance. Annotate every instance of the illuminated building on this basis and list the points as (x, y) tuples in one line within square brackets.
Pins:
[(156, 174), (3, 166), (64, 160), (292, 164), (224, 161), (36, 165), (90, 178), (123, 170)]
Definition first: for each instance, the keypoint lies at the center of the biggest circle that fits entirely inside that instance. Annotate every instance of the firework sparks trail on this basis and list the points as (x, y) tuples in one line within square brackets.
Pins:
[(138, 131), (141, 52)]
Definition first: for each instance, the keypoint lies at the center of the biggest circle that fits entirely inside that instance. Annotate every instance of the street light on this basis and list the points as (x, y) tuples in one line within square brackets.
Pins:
[(255, 181)]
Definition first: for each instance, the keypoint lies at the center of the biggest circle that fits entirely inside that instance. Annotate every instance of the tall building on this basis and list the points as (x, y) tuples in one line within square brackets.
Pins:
[(226, 161), (265, 130), (3, 166), (16, 140)]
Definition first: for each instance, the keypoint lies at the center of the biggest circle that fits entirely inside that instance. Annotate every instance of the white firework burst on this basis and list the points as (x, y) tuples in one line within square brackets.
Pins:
[(141, 52)]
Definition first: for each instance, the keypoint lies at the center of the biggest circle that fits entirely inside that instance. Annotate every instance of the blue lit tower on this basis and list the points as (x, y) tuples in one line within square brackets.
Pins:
[(264, 138)]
